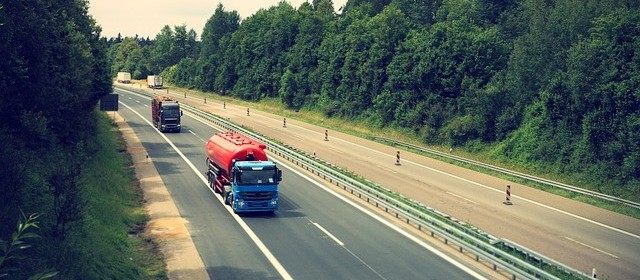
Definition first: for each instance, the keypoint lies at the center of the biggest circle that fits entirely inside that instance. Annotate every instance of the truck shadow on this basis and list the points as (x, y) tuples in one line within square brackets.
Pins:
[(287, 209), (166, 168), (227, 272)]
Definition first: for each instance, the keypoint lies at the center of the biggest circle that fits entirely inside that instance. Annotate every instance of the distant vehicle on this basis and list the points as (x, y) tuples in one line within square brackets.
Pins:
[(238, 168), (165, 113), (124, 77), (154, 81)]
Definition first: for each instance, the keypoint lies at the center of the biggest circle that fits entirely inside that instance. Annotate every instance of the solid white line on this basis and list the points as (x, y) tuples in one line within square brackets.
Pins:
[(591, 247), (329, 234), (463, 198), (272, 259), (145, 105)]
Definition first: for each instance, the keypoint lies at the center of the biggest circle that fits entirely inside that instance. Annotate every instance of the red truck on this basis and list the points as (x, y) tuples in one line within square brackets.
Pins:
[(238, 168), (165, 113)]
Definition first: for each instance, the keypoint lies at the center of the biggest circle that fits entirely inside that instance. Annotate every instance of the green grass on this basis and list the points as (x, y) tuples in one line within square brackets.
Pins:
[(115, 217)]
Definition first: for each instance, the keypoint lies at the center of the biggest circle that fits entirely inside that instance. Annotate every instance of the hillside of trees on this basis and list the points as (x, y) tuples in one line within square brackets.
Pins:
[(551, 86)]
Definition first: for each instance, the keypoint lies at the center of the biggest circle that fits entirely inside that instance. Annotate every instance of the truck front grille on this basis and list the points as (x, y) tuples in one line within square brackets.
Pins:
[(257, 195)]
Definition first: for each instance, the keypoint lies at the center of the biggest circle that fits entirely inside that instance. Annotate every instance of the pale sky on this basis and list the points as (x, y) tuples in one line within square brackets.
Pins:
[(147, 17)]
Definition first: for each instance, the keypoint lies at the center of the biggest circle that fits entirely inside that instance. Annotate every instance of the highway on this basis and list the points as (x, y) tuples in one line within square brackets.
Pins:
[(316, 234), (575, 233)]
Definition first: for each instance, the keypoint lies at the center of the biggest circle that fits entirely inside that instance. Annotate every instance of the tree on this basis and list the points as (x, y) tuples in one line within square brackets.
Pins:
[(220, 25), (162, 53), (258, 51), (19, 241)]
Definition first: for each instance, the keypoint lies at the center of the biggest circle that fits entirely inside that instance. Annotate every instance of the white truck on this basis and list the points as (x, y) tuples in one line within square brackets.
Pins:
[(124, 77), (154, 81)]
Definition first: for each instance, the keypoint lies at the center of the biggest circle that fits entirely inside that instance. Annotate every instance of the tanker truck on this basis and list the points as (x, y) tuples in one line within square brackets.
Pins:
[(165, 113), (239, 170)]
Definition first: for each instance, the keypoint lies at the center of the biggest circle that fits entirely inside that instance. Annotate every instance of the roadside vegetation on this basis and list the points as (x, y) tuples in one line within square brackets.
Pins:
[(548, 88), (69, 203), (106, 240)]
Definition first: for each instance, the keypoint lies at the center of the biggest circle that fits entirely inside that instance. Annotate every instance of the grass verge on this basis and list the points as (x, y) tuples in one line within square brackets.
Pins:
[(113, 225)]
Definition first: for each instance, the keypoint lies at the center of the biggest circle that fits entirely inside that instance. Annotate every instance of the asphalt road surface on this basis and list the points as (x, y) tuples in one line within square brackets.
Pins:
[(314, 235)]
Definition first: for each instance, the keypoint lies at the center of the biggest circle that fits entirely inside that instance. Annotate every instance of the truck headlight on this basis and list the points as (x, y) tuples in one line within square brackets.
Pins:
[(273, 202)]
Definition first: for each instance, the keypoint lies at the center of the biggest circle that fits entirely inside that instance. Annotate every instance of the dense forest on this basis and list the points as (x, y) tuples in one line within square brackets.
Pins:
[(551, 86)]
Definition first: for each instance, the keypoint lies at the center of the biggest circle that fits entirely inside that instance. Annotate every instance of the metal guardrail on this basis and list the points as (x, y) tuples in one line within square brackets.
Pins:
[(514, 173), (513, 258)]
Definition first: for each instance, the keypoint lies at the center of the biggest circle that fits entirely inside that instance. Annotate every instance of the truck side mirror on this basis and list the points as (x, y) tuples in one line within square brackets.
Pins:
[(181, 113), (279, 174)]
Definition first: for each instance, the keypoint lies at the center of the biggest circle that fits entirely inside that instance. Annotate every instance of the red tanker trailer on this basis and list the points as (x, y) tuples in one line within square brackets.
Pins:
[(239, 169)]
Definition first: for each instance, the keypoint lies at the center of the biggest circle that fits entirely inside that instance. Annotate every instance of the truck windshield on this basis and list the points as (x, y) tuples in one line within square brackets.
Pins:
[(170, 112), (257, 177)]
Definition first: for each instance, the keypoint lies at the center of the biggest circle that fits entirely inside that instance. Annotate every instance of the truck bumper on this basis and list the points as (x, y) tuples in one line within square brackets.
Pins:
[(170, 128), (255, 205)]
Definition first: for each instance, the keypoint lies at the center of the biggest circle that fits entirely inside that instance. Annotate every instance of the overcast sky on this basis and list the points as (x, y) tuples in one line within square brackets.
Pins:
[(147, 17)]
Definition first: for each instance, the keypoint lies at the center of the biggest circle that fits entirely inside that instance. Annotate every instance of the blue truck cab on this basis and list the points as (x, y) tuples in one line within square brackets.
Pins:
[(254, 186)]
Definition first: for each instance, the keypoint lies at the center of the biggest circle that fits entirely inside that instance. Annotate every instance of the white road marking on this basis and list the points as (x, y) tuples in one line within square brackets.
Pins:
[(194, 134), (463, 198), (272, 259), (347, 249), (485, 186), (591, 247), (145, 105), (328, 234)]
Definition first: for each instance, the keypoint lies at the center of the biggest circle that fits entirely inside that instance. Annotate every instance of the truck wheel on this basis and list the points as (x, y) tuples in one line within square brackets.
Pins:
[(225, 197)]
